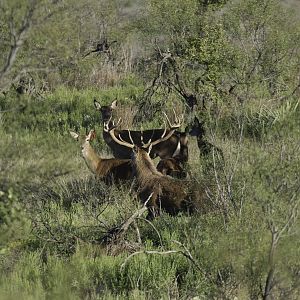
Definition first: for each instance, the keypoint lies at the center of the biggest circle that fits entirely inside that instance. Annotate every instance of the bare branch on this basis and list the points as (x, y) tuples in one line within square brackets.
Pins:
[(117, 232), (18, 37), (185, 252)]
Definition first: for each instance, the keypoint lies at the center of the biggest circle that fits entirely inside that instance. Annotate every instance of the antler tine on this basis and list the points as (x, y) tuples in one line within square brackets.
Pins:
[(142, 136), (179, 119), (177, 122), (118, 123), (167, 119), (149, 149), (175, 115), (130, 137), (119, 136), (165, 129), (149, 144), (108, 128), (105, 124)]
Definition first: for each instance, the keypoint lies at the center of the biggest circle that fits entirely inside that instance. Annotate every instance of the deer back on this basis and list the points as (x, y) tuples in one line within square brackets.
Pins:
[(114, 170), (168, 193)]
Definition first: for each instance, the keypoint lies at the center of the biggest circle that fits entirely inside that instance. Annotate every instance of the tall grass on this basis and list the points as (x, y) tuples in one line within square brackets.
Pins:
[(54, 215)]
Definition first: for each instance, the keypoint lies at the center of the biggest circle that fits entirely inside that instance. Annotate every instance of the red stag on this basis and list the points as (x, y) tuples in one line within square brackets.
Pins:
[(177, 144)]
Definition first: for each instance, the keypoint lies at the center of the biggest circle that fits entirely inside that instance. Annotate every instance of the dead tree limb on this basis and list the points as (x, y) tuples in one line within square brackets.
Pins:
[(116, 233)]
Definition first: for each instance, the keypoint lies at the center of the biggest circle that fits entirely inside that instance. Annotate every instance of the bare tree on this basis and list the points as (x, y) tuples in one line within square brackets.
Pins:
[(277, 232), (18, 35)]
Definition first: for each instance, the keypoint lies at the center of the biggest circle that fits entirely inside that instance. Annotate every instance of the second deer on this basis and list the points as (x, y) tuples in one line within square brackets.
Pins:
[(172, 166), (205, 147), (107, 169)]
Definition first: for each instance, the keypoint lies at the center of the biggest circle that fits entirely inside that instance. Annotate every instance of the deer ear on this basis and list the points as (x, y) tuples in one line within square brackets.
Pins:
[(97, 104), (74, 135), (114, 104), (92, 135)]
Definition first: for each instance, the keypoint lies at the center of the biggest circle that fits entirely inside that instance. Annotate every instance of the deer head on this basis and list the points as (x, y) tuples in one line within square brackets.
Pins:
[(107, 169), (197, 129), (105, 110), (84, 140)]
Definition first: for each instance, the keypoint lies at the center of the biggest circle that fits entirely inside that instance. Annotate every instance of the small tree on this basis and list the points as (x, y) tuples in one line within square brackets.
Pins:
[(16, 22)]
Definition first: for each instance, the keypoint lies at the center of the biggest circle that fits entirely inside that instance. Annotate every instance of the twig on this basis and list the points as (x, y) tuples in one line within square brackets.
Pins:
[(155, 229), (147, 252), (186, 253)]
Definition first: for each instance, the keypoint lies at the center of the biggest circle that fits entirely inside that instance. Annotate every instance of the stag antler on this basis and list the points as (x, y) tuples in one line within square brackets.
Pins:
[(173, 127), (110, 128), (108, 125), (178, 121)]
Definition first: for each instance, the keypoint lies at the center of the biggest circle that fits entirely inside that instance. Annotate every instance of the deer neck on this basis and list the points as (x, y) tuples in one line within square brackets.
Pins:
[(108, 139), (145, 168), (91, 158)]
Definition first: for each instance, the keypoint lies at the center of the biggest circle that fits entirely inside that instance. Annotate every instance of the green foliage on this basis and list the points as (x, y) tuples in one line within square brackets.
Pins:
[(13, 220), (169, 16), (264, 46), (211, 51)]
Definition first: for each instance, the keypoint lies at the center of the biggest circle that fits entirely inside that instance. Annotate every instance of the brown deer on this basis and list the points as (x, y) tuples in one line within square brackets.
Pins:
[(177, 144), (206, 148), (172, 167), (107, 169), (158, 190)]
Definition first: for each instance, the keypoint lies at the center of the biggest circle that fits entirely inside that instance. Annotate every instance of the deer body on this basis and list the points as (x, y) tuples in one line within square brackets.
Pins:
[(205, 147), (158, 190), (168, 193), (176, 144), (171, 166), (106, 169)]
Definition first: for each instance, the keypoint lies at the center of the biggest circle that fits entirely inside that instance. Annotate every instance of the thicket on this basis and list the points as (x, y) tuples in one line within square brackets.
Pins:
[(234, 64)]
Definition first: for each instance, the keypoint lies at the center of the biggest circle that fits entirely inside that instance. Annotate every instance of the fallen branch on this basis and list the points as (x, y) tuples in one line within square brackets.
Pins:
[(119, 231)]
